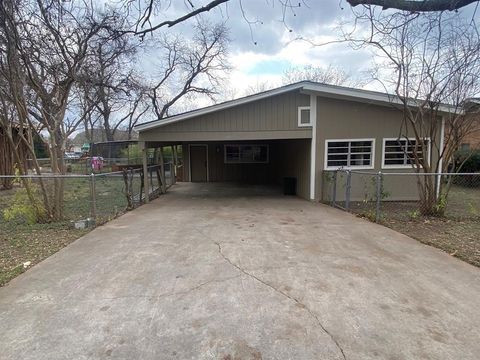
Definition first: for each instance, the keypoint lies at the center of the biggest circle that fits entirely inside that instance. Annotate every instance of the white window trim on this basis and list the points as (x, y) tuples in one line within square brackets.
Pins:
[(359, 167), (245, 162), (299, 116), (408, 166)]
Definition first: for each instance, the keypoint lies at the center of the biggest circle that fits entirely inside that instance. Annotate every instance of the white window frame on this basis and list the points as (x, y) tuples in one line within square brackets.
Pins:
[(355, 167), (245, 162), (299, 116), (406, 166)]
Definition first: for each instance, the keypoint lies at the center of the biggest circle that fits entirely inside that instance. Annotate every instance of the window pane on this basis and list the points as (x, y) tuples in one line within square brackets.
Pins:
[(336, 163), (403, 152), (246, 153), (349, 153), (232, 153), (305, 116), (337, 144), (360, 160)]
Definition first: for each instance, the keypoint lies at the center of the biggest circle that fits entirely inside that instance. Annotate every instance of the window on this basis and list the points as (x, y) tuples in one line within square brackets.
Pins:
[(356, 153), (238, 154), (304, 116), (398, 153)]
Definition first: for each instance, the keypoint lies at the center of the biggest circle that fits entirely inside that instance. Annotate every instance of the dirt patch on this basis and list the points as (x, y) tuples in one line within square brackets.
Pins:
[(458, 238), (457, 232), (21, 247)]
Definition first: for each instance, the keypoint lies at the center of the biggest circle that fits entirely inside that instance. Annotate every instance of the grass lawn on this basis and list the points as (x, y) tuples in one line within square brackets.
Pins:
[(22, 243)]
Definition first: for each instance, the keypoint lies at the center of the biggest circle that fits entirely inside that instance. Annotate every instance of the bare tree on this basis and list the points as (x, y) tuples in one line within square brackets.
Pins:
[(190, 68), (106, 82), (327, 75), (432, 63), (47, 42), (146, 10)]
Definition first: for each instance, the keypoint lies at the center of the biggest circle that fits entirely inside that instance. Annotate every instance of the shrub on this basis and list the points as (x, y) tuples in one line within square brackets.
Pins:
[(467, 162), (470, 160), (22, 211)]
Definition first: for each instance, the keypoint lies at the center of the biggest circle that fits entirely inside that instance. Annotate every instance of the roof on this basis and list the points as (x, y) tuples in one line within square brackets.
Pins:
[(335, 91)]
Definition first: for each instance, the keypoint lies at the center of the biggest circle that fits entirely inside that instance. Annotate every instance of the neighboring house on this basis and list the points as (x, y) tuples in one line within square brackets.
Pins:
[(472, 139), (299, 130)]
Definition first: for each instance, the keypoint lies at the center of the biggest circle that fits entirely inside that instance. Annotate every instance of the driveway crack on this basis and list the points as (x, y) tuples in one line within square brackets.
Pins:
[(297, 301)]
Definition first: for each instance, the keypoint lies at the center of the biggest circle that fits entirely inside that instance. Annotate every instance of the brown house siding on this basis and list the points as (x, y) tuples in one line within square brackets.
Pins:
[(341, 119), (270, 118)]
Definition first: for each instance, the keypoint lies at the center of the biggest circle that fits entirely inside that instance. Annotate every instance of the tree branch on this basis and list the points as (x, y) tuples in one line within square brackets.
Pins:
[(416, 6)]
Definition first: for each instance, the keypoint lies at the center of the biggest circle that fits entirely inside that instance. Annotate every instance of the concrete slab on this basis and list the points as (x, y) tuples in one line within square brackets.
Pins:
[(215, 272)]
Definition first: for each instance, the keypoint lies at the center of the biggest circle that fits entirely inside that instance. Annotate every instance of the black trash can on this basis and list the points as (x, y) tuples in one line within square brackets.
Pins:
[(289, 186)]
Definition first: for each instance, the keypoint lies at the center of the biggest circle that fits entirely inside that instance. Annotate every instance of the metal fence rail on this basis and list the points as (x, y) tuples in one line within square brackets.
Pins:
[(97, 198), (382, 195)]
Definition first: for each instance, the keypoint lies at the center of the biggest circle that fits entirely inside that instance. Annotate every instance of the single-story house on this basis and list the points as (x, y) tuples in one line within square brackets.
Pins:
[(300, 130)]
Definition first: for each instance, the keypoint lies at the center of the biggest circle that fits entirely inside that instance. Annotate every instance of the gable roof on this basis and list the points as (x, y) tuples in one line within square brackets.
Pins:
[(326, 90)]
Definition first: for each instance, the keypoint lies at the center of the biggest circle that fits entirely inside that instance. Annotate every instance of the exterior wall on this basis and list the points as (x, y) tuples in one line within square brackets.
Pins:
[(294, 161), (270, 118), (472, 140), (287, 158), (341, 119)]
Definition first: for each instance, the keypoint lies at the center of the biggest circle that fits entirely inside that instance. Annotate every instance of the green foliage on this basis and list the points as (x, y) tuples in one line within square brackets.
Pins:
[(40, 147), (22, 211), (469, 159), (441, 204), (413, 214)]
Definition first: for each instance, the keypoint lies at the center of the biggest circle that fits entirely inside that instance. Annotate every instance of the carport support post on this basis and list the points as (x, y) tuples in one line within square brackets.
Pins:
[(162, 171), (379, 196), (146, 189), (348, 190), (173, 169)]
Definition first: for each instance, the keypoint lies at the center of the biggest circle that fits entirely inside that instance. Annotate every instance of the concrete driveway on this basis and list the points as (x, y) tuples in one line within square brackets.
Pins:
[(221, 276)]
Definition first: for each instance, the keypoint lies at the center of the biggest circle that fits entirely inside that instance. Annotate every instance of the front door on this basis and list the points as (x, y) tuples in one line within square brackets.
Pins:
[(198, 163)]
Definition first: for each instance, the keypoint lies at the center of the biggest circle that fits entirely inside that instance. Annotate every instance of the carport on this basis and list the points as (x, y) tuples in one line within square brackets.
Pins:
[(265, 139)]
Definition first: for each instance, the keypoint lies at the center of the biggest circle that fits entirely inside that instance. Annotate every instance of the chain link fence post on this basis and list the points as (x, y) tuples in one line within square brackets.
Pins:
[(334, 190), (348, 189), (93, 209), (379, 196)]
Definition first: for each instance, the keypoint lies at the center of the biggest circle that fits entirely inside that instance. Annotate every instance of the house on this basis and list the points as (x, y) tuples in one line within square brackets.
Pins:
[(472, 139), (300, 130)]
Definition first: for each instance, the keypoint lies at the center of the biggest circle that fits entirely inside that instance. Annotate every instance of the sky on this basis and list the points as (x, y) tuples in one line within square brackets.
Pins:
[(267, 40)]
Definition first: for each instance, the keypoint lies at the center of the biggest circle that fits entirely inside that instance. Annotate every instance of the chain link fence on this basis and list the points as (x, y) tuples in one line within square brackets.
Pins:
[(379, 196), (442, 210), (89, 199)]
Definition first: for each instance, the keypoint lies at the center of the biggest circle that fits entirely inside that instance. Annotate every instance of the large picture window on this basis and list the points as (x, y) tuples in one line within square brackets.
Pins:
[(355, 153), (399, 153), (241, 154)]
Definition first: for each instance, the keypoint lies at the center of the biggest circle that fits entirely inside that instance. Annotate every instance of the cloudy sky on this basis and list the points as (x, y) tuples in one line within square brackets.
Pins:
[(265, 39)]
